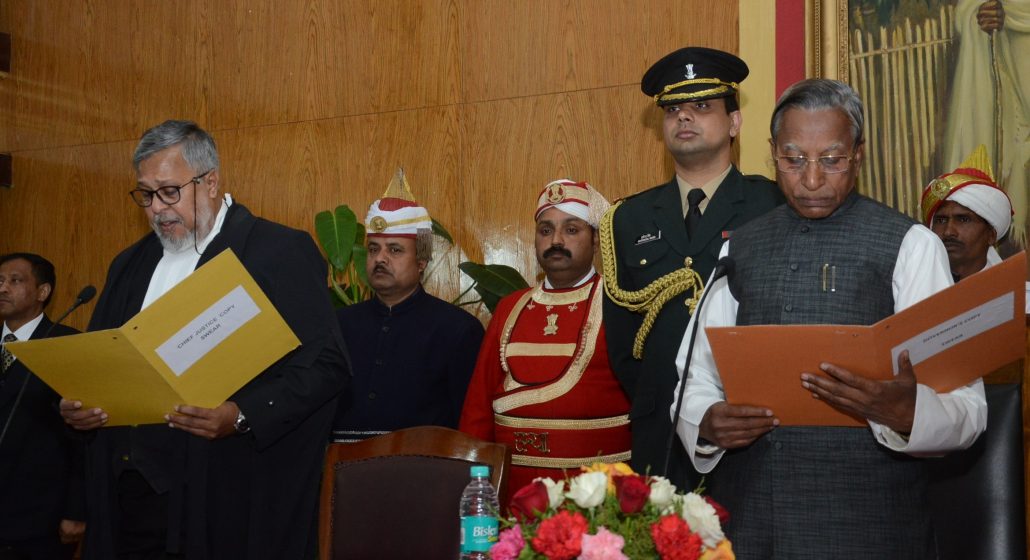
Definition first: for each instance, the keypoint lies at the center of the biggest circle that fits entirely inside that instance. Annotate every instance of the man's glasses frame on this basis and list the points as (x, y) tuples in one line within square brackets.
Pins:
[(168, 195), (831, 164)]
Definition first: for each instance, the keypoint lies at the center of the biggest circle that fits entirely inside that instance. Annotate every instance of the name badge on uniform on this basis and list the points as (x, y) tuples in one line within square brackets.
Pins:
[(648, 237)]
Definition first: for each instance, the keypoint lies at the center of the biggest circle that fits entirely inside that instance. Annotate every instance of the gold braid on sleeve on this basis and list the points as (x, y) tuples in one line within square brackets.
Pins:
[(650, 300)]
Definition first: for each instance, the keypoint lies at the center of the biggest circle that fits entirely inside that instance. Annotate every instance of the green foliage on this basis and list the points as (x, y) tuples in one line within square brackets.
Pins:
[(440, 231), (343, 239), (492, 282)]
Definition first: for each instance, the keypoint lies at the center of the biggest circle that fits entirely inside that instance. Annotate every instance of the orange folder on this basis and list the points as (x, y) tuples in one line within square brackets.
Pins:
[(953, 337)]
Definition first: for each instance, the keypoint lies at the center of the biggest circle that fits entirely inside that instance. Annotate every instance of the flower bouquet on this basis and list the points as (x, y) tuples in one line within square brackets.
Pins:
[(608, 512)]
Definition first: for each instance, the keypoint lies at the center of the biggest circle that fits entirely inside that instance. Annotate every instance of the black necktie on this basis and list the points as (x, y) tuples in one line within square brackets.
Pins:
[(694, 198), (6, 357)]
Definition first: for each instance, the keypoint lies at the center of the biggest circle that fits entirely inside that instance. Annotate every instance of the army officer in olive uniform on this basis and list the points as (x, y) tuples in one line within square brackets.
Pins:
[(660, 245)]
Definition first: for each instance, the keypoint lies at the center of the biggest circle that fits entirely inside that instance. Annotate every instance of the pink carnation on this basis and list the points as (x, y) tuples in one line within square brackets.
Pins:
[(509, 544), (605, 545)]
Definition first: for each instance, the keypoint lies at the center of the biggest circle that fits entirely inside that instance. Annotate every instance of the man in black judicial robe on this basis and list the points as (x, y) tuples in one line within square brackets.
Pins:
[(240, 480)]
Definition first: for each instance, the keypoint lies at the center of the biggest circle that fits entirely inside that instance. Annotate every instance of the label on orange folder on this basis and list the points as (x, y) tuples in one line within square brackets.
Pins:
[(953, 337)]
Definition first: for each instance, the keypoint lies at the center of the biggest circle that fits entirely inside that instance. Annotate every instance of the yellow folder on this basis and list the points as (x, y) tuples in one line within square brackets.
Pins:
[(197, 344)]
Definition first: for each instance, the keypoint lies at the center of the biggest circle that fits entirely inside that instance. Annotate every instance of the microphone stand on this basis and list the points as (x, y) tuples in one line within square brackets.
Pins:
[(723, 268), (85, 295)]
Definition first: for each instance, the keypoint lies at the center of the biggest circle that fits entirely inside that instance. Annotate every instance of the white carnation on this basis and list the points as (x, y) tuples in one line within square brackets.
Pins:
[(663, 493), (555, 491), (588, 489), (703, 520)]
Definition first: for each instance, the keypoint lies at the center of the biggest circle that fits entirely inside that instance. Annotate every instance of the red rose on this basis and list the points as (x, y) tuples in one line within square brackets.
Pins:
[(530, 501), (724, 516), (632, 492), (673, 539), (561, 537)]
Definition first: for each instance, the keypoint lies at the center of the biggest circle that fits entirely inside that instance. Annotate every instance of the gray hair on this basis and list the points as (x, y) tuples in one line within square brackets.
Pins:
[(424, 244), (198, 148), (819, 93)]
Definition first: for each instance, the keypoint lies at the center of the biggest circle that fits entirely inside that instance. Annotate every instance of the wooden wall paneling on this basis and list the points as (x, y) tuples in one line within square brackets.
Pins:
[(273, 171), (514, 147), (614, 136), (284, 62), (73, 208), (513, 49), (88, 72), (288, 173)]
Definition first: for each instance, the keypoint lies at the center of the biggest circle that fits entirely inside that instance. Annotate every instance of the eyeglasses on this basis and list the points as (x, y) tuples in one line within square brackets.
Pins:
[(168, 195), (828, 164)]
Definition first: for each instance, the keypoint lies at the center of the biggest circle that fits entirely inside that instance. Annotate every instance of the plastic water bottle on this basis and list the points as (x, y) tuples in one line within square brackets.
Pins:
[(479, 509)]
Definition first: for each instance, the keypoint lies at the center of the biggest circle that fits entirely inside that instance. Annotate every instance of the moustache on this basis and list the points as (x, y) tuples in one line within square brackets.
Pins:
[(158, 219), (556, 250), (380, 269)]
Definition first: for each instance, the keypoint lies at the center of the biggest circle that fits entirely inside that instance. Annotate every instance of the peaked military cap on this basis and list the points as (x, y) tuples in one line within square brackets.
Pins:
[(693, 74)]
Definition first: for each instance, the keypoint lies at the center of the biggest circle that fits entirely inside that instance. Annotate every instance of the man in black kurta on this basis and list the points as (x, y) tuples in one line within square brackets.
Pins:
[(659, 238), (412, 353), (240, 480)]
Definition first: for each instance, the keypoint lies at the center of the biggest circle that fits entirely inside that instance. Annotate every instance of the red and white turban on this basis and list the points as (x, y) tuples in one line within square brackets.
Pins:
[(396, 217), (576, 199), (971, 185)]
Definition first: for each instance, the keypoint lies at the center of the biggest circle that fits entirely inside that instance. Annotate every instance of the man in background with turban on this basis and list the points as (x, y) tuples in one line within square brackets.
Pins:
[(967, 210), (543, 384)]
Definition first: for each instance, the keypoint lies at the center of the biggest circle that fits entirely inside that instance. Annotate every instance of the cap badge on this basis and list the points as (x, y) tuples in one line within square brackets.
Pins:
[(690, 75), (378, 224), (940, 188), (555, 194)]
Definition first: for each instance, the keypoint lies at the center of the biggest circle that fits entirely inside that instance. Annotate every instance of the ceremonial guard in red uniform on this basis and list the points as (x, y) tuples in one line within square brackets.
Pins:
[(543, 384)]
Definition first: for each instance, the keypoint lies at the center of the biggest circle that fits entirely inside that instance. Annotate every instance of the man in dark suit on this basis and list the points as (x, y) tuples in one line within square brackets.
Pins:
[(412, 353), (239, 480), (663, 243), (41, 505)]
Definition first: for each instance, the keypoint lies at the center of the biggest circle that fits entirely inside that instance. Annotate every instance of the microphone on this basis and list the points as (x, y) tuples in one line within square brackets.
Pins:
[(87, 293), (725, 267)]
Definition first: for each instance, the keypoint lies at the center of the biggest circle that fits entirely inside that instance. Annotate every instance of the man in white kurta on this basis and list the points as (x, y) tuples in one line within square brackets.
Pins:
[(824, 492)]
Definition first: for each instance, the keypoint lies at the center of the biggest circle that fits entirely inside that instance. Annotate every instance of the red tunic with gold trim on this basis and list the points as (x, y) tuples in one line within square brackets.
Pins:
[(544, 387)]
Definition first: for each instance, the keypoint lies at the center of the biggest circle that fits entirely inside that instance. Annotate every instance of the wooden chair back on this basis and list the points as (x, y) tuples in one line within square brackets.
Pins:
[(397, 495)]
